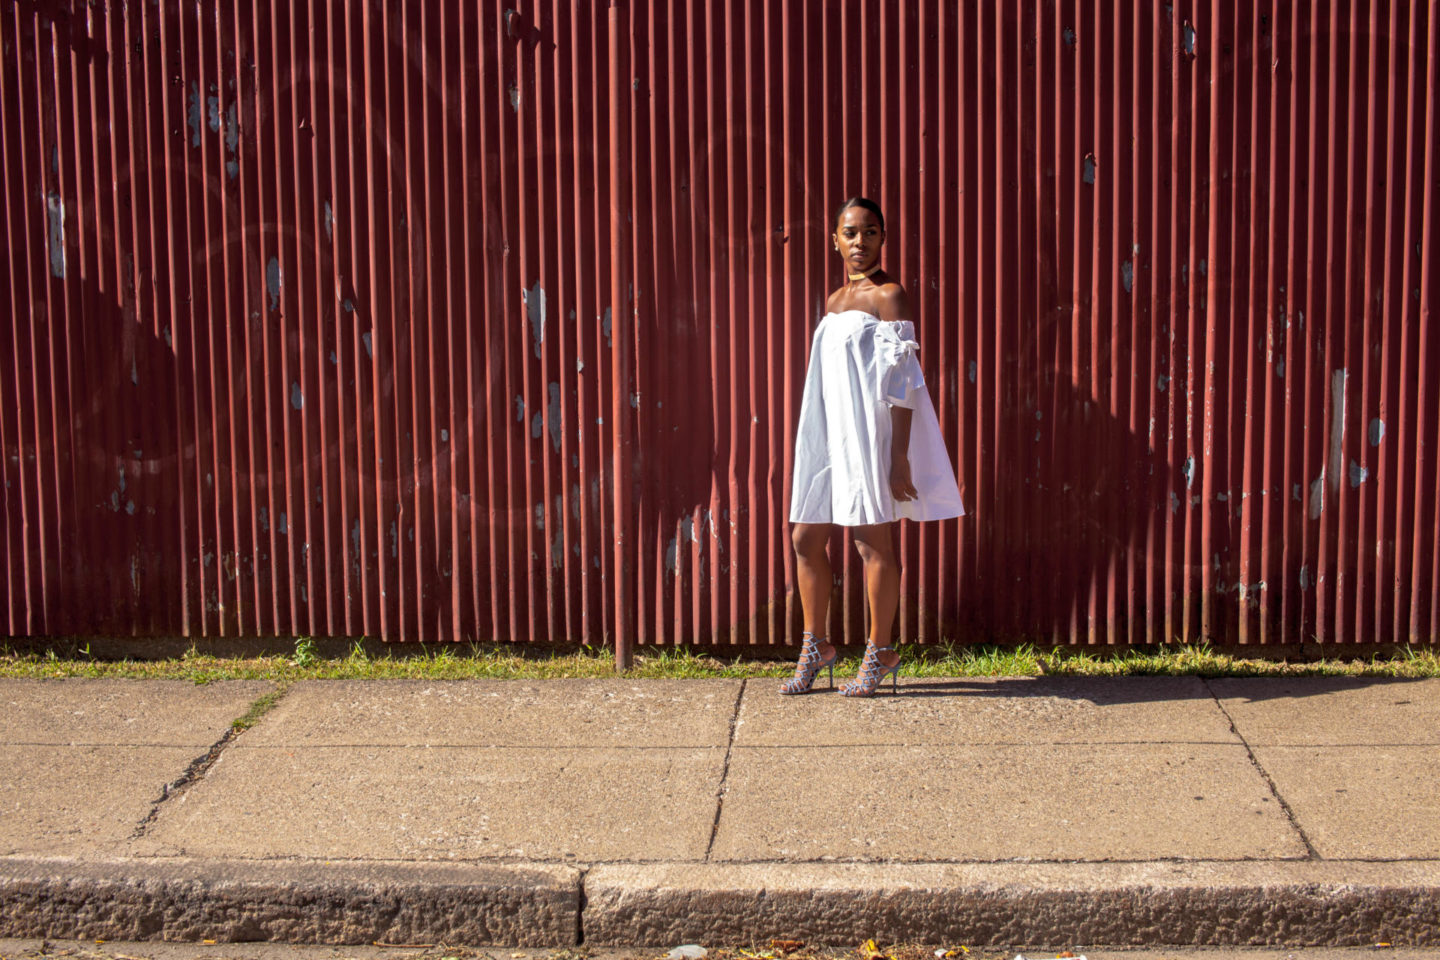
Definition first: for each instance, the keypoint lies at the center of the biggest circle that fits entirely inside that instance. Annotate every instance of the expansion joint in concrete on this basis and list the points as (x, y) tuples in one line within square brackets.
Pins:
[(1310, 850), (580, 904), (725, 769)]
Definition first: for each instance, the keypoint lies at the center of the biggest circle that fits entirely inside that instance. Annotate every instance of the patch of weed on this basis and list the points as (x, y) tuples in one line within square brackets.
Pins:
[(305, 653), (262, 705)]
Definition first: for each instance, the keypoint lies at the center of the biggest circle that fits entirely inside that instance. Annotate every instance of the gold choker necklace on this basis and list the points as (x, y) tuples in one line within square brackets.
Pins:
[(862, 276)]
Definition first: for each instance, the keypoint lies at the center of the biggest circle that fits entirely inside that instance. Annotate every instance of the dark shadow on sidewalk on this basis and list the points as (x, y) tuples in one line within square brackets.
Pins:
[(1108, 691)]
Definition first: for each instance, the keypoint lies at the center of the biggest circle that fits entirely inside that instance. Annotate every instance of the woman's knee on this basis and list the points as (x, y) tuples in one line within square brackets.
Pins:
[(877, 546), (809, 539), (872, 556)]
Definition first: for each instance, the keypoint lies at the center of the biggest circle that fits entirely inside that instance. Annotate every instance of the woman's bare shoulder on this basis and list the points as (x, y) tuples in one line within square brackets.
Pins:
[(892, 301)]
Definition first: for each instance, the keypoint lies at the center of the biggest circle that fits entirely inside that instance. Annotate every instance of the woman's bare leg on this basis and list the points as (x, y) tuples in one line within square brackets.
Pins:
[(812, 570), (882, 583)]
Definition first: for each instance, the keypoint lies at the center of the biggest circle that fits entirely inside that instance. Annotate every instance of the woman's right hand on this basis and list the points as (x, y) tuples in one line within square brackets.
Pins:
[(901, 486)]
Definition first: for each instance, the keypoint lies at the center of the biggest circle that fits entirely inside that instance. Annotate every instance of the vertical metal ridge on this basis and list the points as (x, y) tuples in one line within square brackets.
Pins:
[(18, 553), (1294, 487), (15, 552), (622, 572), (1428, 292), (1420, 533), (1260, 511)]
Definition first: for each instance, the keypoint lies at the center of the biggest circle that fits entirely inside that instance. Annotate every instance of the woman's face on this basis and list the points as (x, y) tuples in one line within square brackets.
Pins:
[(858, 238)]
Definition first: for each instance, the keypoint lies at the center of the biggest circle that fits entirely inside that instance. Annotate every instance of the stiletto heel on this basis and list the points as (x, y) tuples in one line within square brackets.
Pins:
[(808, 668), (872, 674)]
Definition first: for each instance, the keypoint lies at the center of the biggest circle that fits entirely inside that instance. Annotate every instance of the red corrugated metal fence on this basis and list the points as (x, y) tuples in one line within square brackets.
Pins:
[(488, 320)]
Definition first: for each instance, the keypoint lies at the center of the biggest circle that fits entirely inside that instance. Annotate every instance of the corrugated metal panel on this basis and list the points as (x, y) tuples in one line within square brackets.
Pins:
[(337, 317)]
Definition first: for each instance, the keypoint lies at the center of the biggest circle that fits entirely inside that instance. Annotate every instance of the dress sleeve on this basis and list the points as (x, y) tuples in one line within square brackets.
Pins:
[(896, 363)]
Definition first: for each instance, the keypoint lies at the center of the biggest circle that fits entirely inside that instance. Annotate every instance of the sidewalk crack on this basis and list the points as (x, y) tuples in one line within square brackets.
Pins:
[(725, 770), (201, 764), (1312, 853)]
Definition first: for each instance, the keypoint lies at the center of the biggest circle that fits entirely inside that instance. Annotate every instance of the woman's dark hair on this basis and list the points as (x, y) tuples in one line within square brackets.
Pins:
[(864, 203)]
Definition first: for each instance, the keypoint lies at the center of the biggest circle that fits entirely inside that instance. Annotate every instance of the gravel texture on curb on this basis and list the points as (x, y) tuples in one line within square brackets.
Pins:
[(539, 905), (291, 902), (1150, 904)]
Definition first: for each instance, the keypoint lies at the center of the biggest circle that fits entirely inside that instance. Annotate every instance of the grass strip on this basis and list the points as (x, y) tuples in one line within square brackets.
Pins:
[(511, 663), (262, 705)]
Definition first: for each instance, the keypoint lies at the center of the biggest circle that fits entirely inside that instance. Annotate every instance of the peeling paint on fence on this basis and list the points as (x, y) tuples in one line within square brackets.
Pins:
[(1337, 427), (534, 300), (555, 415), (272, 282), (55, 208)]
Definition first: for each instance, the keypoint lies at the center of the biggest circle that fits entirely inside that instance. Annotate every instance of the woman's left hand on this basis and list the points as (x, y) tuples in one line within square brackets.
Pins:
[(900, 484)]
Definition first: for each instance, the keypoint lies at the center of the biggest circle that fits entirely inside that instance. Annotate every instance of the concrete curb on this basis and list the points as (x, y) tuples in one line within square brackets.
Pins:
[(1257, 903), (1018, 904), (290, 901)]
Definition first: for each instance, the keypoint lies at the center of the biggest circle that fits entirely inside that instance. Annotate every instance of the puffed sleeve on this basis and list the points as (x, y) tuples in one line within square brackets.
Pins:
[(896, 363)]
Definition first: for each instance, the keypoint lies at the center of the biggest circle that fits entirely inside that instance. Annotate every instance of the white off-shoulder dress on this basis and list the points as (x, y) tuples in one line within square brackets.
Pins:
[(860, 366)]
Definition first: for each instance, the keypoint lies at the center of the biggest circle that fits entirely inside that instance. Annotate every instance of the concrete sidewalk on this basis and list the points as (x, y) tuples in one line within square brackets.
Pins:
[(1037, 811)]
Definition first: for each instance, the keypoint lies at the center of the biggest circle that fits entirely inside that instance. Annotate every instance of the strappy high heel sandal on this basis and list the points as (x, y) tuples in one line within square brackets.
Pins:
[(808, 668), (872, 674)]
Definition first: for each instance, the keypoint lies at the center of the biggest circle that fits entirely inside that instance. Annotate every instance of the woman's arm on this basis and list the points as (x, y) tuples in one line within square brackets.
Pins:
[(901, 486), (895, 307)]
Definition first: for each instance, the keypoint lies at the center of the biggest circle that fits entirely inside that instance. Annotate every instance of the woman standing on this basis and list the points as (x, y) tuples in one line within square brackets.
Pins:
[(868, 449)]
